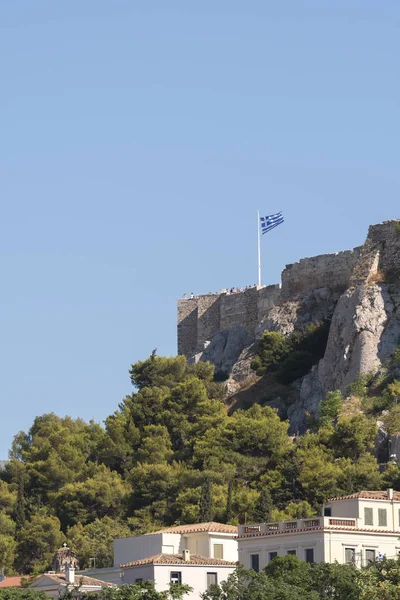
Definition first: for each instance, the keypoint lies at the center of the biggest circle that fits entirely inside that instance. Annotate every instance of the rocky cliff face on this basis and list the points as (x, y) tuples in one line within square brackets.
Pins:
[(364, 330)]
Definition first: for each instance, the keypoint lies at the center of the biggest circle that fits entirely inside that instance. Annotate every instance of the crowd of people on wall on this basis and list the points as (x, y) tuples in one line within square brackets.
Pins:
[(223, 291)]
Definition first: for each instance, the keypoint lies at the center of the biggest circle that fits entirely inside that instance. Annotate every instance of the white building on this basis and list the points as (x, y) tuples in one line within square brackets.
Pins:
[(56, 585), (199, 555), (353, 529)]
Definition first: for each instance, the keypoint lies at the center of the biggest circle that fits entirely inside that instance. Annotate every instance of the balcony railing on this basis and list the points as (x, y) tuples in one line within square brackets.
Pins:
[(295, 525), (342, 522)]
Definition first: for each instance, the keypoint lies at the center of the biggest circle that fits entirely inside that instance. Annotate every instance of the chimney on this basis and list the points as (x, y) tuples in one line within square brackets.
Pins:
[(186, 555), (390, 494), (70, 575)]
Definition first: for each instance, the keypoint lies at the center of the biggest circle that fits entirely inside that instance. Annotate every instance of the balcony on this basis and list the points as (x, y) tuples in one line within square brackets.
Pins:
[(295, 525)]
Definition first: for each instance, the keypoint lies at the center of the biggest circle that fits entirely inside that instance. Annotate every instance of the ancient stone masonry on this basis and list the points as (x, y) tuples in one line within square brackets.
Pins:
[(201, 318), (328, 270), (380, 254)]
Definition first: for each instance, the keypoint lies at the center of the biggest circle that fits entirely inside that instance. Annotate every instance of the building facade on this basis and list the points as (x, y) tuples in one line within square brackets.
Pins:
[(197, 571), (358, 529), (57, 585), (198, 555)]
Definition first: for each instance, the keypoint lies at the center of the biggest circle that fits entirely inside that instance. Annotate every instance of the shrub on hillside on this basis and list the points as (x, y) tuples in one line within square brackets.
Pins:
[(291, 357), (296, 365), (273, 347), (330, 407), (360, 386)]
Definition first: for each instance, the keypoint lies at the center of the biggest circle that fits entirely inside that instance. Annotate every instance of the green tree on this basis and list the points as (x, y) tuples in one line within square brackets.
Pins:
[(158, 371), (380, 581), (20, 508), (8, 498), (8, 547), (104, 494), (353, 436), (206, 506), (318, 473), (263, 511), (37, 543), (145, 590), (21, 594), (228, 510), (297, 364), (330, 408), (273, 348), (95, 540)]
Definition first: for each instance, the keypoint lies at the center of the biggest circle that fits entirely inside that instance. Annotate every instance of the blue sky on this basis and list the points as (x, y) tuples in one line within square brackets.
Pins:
[(138, 139)]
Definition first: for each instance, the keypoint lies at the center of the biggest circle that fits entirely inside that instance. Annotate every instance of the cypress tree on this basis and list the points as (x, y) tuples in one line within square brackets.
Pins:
[(228, 510), (263, 511), (20, 508), (206, 508)]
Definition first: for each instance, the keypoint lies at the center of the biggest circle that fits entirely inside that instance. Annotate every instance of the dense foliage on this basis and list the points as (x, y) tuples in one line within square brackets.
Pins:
[(171, 453), (289, 358), (21, 594), (287, 578)]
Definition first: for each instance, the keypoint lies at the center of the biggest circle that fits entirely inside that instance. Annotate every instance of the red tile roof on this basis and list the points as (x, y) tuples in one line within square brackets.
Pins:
[(212, 526), (177, 559), (368, 495), (325, 528), (11, 582)]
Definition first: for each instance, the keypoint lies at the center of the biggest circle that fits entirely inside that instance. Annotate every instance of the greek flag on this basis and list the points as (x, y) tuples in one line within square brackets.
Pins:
[(270, 222)]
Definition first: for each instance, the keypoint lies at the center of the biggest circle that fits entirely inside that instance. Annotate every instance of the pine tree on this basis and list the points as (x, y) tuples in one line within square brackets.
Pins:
[(206, 508)]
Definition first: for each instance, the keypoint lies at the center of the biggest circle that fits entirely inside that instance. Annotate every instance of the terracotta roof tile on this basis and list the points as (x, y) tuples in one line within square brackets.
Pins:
[(11, 582), (326, 528), (177, 559), (199, 527), (369, 495), (79, 580)]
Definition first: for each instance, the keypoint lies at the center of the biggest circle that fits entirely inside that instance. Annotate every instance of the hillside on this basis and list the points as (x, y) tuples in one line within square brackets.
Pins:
[(354, 294), (185, 446)]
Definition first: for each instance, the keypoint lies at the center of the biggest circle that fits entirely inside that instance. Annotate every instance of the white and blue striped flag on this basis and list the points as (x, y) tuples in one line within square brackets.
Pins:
[(270, 222)]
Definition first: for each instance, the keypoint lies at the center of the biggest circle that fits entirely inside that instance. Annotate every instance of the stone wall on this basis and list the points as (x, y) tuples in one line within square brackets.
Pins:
[(187, 327), (209, 317), (239, 309), (327, 270), (200, 319), (268, 297), (380, 254)]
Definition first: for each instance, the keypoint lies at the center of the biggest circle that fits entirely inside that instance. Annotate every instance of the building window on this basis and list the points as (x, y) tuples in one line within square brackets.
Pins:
[(176, 577), (212, 579), (382, 517), (349, 556), (255, 562), (369, 556), (327, 511), (309, 555), (272, 555), (219, 551), (138, 579), (291, 552), (368, 516)]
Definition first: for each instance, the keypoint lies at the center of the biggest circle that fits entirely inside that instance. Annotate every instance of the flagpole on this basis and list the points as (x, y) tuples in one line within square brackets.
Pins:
[(259, 248)]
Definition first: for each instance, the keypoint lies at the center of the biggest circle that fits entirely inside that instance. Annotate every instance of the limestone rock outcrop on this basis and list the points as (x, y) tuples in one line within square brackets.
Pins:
[(358, 291)]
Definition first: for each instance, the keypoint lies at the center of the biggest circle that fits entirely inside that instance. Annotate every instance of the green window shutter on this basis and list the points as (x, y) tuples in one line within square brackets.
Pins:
[(368, 516), (382, 517)]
